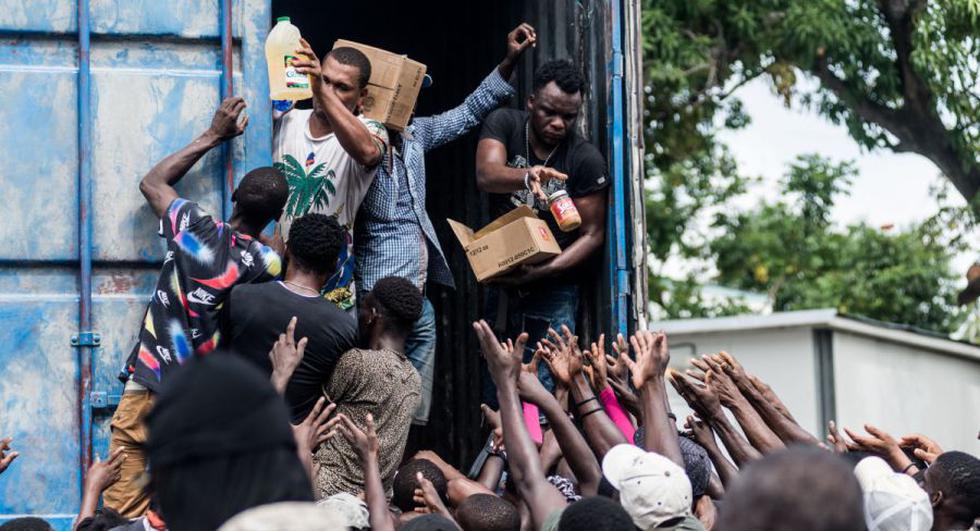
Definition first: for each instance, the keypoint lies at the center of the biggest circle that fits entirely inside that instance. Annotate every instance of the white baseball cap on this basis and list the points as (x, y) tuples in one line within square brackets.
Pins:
[(892, 501), (652, 488)]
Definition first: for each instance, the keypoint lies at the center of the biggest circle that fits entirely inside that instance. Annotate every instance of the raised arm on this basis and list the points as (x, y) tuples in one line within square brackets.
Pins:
[(565, 360), (330, 113), (788, 430), (434, 131), (157, 185), (704, 436), (100, 476), (652, 357), (505, 366), (573, 446), (367, 445), (706, 404), (755, 429)]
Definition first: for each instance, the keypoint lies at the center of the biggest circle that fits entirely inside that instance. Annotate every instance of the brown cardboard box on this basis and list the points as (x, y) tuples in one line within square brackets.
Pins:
[(394, 85), (517, 237)]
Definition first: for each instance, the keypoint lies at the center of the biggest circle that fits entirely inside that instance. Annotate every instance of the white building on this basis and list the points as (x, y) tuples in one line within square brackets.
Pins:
[(829, 367)]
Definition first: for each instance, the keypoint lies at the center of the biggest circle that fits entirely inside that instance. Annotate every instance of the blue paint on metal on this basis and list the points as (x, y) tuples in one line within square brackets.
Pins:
[(151, 72), (84, 238), (227, 89), (618, 241)]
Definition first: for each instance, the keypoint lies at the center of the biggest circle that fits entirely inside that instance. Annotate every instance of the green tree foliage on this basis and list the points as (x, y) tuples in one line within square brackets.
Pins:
[(790, 250), (899, 74)]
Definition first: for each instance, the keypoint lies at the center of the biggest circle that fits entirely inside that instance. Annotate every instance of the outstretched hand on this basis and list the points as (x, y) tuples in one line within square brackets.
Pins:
[(521, 38), (529, 387), (922, 447), (700, 397), (652, 357), (598, 368), (225, 122), (503, 361), (562, 356), (879, 442), (6, 455), (315, 428), (427, 498), (365, 441), (102, 474), (286, 354)]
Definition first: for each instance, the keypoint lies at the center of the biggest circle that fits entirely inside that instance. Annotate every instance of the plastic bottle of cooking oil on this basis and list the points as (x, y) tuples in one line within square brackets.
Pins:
[(285, 83)]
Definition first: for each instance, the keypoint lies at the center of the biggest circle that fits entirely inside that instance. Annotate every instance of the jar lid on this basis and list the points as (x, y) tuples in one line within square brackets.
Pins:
[(557, 195)]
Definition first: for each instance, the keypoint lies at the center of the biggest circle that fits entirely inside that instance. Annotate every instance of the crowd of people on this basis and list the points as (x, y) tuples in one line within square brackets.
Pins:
[(276, 377)]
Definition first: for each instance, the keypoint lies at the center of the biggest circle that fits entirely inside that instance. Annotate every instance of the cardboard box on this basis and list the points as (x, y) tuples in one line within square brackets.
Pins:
[(394, 85), (517, 237)]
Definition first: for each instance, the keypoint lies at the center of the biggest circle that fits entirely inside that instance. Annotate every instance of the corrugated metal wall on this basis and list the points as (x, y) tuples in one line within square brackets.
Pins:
[(156, 69)]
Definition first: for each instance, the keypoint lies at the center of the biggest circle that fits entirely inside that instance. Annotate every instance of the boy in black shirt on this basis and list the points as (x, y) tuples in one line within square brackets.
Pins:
[(256, 314), (522, 158)]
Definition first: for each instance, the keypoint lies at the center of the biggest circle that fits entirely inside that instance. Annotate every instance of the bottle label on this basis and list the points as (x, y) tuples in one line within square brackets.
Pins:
[(294, 79), (563, 208)]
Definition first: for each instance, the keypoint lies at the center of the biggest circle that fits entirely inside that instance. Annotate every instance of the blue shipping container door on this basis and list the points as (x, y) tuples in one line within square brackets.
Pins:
[(155, 74)]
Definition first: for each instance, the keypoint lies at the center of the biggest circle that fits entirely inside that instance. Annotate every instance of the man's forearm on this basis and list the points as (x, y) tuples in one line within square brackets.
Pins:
[(353, 136), (660, 433), (576, 253), (599, 428), (785, 428), (521, 451), (500, 179), (166, 173), (740, 449), (374, 495), (573, 446), (755, 429), (726, 469), (493, 469)]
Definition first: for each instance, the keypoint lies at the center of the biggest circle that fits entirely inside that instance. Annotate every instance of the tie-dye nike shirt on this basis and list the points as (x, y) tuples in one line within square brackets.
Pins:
[(204, 260)]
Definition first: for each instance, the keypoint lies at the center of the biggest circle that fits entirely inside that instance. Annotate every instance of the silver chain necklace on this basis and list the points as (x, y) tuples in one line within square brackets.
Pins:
[(527, 145), (300, 286)]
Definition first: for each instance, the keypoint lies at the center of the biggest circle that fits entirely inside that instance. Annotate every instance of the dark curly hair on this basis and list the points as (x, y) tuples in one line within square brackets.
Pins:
[(315, 242), (346, 55), (405, 483), (486, 512), (261, 195), (957, 474), (595, 514), (399, 299), (562, 72)]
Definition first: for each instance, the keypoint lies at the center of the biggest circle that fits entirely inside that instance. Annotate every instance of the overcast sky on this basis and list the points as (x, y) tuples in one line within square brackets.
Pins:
[(889, 187)]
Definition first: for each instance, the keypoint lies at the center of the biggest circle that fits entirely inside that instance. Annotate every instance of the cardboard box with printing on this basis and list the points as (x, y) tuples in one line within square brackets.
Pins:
[(393, 87), (517, 237)]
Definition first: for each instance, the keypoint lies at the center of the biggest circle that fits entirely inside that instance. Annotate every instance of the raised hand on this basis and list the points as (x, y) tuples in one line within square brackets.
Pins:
[(529, 387), (722, 384), (701, 431), (286, 354), (102, 474), (225, 123), (538, 176), (701, 398), (652, 357), (599, 370), (518, 40), (837, 442), (618, 369), (315, 428), (493, 419), (6, 455), (504, 363), (365, 441), (922, 447), (307, 63), (879, 442), (562, 356)]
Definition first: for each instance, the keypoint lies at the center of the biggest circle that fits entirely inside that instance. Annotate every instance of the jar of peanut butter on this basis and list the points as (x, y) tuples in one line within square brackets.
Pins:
[(563, 209)]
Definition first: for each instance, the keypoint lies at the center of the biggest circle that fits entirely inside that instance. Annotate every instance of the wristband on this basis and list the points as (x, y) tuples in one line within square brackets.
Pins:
[(906, 469), (586, 401), (527, 180), (596, 410)]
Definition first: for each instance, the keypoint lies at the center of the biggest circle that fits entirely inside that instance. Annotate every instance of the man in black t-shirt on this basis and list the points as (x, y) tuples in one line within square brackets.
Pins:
[(522, 158), (256, 314)]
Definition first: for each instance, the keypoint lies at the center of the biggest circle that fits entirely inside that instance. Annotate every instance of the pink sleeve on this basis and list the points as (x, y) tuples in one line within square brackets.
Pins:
[(533, 422), (616, 413)]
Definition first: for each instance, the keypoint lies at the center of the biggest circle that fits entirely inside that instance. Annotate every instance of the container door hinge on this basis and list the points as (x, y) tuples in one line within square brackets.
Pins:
[(86, 339), (103, 400)]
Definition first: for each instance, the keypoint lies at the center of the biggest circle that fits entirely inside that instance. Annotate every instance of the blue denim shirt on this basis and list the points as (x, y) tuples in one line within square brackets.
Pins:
[(387, 240)]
